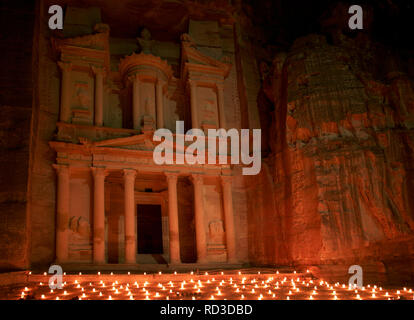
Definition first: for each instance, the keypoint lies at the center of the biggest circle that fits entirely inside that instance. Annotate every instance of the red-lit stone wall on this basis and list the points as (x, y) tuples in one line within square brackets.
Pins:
[(342, 156)]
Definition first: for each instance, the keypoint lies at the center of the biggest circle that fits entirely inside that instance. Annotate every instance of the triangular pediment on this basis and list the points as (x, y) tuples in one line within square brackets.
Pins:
[(142, 142), (135, 142), (191, 55)]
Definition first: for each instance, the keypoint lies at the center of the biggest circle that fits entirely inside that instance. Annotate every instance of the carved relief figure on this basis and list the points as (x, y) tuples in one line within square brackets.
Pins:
[(145, 41), (82, 97), (216, 231), (209, 112), (80, 228)]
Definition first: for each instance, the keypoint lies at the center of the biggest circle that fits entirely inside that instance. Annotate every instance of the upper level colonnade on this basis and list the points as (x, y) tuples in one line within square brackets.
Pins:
[(146, 82)]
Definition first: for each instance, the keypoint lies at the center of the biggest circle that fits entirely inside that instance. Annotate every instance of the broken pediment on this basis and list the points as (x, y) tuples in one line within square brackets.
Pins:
[(90, 49), (192, 59), (144, 142), (97, 40)]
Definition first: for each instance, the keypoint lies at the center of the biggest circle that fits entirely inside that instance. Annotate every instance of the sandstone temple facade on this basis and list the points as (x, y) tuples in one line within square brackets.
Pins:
[(79, 107), (114, 204)]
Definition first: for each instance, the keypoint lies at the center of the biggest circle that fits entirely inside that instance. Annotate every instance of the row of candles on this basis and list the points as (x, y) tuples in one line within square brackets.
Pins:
[(206, 286)]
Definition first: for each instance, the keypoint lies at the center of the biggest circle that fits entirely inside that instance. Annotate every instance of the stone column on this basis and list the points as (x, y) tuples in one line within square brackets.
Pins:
[(193, 93), (221, 109), (199, 218), (129, 203), (229, 218), (166, 101), (98, 71), (160, 104), (99, 175), (136, 101), (173, 218), (62, 218), (65, 93)]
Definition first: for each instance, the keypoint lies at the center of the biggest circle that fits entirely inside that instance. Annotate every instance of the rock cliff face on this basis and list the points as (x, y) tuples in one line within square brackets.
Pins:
[(341, 160), (16, 88)]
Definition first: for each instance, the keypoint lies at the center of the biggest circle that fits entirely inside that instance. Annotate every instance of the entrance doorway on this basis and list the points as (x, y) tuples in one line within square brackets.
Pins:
[(149, 225)]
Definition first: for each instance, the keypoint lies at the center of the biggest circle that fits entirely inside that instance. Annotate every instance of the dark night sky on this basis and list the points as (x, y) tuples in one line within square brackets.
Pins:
[(286, 20)]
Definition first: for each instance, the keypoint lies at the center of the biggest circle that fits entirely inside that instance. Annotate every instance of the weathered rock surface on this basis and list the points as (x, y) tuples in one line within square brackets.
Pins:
[(341, 161), (17, 18)]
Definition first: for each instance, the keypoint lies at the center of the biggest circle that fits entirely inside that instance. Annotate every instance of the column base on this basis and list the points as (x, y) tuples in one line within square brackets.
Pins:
[(99, 262), (202, 261), (61, 262)]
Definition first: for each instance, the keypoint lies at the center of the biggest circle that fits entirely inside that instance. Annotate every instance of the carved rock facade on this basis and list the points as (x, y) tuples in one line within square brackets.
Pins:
[(341, 161)]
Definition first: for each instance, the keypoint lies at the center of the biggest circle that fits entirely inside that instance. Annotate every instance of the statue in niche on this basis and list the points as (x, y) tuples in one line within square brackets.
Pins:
[(216, 231), (149, 105), (80, 227), (148, 122), (145, 41), (209, 111), (82, 96)]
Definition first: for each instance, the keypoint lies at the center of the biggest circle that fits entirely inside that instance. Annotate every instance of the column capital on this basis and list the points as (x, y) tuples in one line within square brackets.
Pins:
[(220, 86), (192, 82), (99, 171), (161, 82), (133, 77), (225, 180), (97, 69), (130, 173), (65, 66), (61, 169), (197, 178), (171, 176)]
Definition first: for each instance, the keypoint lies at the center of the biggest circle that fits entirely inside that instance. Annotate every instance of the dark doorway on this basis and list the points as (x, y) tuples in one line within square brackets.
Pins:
[(149, 227), (185, 195)]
